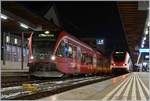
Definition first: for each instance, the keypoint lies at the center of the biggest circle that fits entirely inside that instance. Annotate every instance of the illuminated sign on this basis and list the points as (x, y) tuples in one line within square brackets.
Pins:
[(99, 41), (147, 56), (144, 50), (119, 52)]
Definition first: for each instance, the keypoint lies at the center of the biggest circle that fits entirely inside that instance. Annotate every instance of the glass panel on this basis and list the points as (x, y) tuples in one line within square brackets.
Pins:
[(118, 56)]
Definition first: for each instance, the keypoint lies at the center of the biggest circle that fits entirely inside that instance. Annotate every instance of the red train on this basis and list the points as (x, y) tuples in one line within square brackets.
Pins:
[(121, 62), (54, 54)]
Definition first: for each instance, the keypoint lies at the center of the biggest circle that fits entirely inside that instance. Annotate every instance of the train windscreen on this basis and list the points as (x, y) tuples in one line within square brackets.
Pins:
[(43, 44), (119, 56)]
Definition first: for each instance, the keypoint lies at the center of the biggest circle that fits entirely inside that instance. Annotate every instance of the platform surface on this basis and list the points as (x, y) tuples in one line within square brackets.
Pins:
[(132, 86)]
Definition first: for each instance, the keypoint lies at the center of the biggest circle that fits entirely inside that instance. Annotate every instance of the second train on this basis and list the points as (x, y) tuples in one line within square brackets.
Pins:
[(55, 54)]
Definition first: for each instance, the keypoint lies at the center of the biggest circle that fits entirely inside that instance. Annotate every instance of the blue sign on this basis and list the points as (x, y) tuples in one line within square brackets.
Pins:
[(99, 41), (144, 50)]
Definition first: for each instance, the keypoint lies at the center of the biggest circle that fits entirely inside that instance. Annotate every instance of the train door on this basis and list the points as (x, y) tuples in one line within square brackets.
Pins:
[(72, 57), (78, 58)]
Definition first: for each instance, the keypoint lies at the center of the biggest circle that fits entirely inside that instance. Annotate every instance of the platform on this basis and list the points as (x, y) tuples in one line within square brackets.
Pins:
[(14, 72), (132, 86)]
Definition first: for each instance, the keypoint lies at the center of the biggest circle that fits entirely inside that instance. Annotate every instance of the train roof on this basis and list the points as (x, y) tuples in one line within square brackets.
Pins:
[(93, 49)]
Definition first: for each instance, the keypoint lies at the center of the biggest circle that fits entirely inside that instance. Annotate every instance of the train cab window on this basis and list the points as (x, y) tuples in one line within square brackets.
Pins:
[(60, 50), (63, 50), (119, 56), (79, 55), (88, 59)]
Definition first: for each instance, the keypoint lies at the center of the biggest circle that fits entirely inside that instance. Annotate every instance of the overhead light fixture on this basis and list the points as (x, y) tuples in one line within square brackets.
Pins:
[(144, 38), (46, 32), (146, 31), (24, 26), (142, 45), (143, 42), (4, 17)]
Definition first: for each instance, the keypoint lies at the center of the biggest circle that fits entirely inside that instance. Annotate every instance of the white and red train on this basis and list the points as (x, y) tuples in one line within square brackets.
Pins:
[(121, 62), (54, 54)]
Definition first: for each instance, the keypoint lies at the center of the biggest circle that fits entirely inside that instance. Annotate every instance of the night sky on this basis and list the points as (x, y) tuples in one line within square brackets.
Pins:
[(96, 19)]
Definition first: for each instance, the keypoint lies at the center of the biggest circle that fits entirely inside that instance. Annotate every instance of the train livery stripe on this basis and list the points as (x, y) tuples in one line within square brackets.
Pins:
[(115, 89)]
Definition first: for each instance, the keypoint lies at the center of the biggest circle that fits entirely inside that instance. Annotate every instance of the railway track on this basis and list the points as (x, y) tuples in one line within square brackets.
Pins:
[(46, 88), (19, 82)]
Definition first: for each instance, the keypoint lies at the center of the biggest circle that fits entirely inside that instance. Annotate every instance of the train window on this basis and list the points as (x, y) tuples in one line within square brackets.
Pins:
[(83, 57), (60, 50), (73, 52), (70, 51)]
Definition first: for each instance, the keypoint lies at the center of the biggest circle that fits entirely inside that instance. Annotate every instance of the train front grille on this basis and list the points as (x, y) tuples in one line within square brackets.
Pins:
[(45, 67)]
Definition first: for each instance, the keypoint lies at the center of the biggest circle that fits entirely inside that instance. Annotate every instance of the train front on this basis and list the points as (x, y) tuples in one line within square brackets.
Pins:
[(118, 62), (41, 58)]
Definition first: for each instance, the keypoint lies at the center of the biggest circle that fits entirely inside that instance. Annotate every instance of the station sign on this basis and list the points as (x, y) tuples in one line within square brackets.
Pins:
[(99, 41), (144, 50)]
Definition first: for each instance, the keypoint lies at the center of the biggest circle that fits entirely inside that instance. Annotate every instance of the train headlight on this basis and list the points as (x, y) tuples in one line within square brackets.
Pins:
[(31, 57), (113, 64), (53, 57), (124, 64)]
